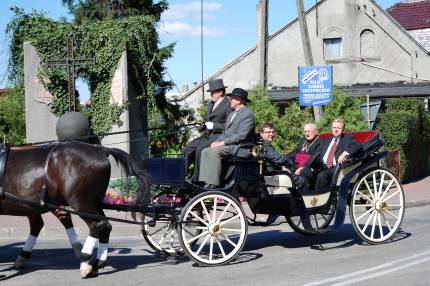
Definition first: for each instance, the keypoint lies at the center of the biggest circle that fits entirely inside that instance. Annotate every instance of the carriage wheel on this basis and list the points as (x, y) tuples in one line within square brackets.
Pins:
[(160, 230), (223, 226), (377, 206), (318, 221)]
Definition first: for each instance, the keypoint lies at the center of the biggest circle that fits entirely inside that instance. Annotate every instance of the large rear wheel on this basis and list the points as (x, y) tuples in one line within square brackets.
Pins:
[(377, 206), (223, 226)]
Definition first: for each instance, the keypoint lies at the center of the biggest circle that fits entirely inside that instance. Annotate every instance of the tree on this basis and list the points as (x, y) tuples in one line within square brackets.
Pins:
[(91, 10), (12, 117)]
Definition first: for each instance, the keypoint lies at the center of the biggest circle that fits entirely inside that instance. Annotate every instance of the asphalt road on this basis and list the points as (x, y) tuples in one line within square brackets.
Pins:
[(272, 256)]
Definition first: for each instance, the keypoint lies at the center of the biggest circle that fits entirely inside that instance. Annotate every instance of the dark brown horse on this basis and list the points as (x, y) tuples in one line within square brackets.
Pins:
[(66, 174)]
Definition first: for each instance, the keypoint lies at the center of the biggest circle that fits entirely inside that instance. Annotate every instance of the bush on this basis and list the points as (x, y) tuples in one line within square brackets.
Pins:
[(404, 125)]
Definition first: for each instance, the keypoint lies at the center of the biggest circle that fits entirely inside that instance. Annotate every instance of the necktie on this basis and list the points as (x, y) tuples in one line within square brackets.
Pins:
[(330, 157)]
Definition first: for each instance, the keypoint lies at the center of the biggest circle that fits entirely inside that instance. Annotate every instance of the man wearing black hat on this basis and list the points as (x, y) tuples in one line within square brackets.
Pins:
[(239, 128), (217, 111)]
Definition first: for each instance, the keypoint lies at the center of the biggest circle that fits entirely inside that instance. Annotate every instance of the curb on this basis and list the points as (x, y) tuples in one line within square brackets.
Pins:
[(420, 203)]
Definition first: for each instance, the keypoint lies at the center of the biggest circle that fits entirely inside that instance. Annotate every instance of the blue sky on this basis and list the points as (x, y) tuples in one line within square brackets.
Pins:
[(229, 30)]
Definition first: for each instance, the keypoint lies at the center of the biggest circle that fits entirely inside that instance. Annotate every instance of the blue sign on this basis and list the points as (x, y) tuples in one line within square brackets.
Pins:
[(315, 85)]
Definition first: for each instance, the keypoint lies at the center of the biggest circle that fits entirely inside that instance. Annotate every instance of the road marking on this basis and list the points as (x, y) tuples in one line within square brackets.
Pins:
[(373, 269)]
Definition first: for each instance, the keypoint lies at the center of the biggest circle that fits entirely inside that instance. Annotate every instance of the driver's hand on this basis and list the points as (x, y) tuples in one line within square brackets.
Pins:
[(209, 125), (343, 157)]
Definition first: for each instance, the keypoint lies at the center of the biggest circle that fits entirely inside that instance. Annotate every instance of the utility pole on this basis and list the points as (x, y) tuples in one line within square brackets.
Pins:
[(262, 32), (307, 48)]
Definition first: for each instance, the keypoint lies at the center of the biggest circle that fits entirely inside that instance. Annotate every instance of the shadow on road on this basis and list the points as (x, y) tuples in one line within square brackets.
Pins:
[(341, 238)]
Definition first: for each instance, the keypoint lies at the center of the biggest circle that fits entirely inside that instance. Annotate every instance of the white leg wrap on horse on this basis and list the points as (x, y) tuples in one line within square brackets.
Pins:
[(73, 238), (31, 240), (102, 251), (89, 245)]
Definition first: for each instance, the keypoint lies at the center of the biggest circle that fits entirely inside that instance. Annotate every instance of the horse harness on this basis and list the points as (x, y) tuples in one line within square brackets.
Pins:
[(4, 152)]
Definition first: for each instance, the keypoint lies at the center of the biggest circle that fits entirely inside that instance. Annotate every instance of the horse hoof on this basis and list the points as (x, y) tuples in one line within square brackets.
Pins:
[(20, 262), (86, 270), (77, 248)]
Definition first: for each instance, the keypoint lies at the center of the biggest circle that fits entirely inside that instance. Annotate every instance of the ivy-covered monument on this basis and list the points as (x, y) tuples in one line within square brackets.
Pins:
[(127, 74)]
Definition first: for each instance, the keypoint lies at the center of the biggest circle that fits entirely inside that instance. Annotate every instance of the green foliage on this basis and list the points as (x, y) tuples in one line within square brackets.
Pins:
[(288, 127), (404, 125), (104, 37), (347, 108), (12, 117)]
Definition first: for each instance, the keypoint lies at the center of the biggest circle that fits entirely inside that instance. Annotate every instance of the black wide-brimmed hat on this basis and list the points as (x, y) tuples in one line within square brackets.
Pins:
[(216, 84), (240, 93)]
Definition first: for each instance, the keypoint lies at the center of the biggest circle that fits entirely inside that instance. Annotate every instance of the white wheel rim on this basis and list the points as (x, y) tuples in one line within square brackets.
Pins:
[(223, 231), (377, 206), (162, 235)]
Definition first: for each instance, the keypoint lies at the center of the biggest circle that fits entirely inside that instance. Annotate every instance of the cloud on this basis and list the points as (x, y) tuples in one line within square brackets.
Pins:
[(184, 29), (184, 19), (190, 10)]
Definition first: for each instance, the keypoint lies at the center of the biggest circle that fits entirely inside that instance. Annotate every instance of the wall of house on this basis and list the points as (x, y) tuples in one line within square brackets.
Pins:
[(422, 36)]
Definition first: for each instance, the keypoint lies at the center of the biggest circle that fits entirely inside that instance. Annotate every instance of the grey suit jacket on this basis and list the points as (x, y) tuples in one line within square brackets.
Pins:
[(239, 130)]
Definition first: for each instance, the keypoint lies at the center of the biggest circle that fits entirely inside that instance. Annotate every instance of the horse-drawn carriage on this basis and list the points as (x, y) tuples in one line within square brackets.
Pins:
[(210, 226)]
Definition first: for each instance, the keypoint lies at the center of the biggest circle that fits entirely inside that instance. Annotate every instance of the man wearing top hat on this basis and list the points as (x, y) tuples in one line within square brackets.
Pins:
[(217, 111), (239, 128)]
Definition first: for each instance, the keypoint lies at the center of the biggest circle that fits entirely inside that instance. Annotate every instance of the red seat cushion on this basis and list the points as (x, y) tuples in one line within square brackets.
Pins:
[(362, 136)]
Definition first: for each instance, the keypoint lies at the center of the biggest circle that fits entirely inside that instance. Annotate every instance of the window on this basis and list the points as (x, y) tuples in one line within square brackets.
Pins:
[(332, 48), (367, 44)]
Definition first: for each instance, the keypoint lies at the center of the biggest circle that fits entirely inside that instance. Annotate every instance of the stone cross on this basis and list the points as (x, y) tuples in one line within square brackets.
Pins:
[(72, 62)]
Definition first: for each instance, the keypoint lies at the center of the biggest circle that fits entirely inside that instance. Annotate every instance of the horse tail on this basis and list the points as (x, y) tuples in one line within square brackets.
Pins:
[(131, 168)]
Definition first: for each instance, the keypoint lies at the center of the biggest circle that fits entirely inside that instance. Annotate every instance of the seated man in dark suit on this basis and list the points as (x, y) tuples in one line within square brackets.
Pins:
[(310, 146), (336, 151), (239, 128), (272, 158), (216, 115)]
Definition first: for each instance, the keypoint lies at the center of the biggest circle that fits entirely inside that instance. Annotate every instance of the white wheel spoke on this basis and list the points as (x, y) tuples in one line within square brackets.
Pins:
[(228, 240), (206, 211), (162, 238), (211, 248), (367, 222), (373, 224), (203, 244), (220, 247), (197, 237), (391, 214), (199, 218), (229, 220), (381, 183), (214, 210), (223, 212), (392, 195), (158, 230), (369, 189), (364, 214), (375, 187), (386, 221), (387, 188), (366, 197), (380, 225), (232, 229), (201, 227)]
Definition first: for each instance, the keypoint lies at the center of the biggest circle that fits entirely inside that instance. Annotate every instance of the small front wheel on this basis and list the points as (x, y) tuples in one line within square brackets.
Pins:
[(223, 226), (377, 206)]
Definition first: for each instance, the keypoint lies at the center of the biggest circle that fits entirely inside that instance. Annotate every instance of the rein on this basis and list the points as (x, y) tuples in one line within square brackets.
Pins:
[(88, 215)]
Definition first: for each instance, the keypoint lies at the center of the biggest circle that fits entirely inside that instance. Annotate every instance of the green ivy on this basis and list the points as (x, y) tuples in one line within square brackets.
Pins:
[(104, 40)]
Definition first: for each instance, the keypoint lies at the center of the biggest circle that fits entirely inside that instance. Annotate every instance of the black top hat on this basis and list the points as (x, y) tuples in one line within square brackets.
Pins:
[(216, 84), (240, 93)]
